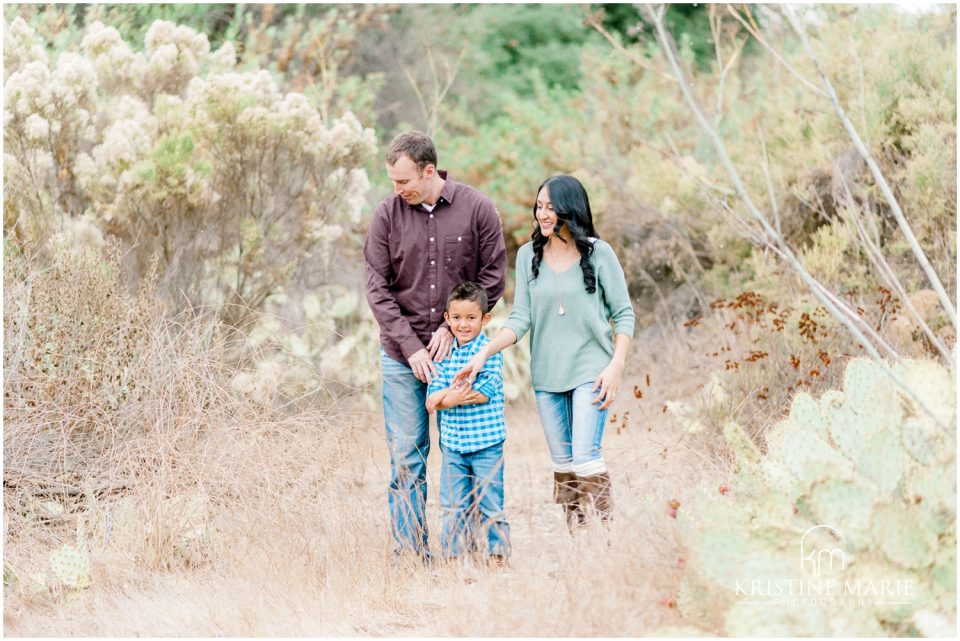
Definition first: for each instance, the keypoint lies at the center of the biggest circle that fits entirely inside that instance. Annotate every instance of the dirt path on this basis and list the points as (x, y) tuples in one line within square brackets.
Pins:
[(650, 464)]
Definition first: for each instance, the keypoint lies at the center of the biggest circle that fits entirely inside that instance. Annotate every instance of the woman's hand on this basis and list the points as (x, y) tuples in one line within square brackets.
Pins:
[(468, 374), (608, 382)]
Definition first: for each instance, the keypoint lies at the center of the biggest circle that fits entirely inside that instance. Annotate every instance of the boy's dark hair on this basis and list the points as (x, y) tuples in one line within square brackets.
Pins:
[(416, 145), (471, 292)]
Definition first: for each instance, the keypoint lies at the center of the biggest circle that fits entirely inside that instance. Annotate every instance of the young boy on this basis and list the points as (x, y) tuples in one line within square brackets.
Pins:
[(472, 432)]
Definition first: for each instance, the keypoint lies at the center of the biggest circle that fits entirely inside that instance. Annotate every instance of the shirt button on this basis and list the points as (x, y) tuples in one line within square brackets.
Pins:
[(433, 286), (433, 262), (433, 309), (431, 215), (459, 238), (431, 239)]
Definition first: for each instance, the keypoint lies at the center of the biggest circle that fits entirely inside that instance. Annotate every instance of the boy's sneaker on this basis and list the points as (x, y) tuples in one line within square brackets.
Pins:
[(496, 562)]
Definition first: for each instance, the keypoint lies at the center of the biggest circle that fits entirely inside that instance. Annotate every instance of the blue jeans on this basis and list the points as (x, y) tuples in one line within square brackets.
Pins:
[(573, 427), (471, 495), (408, 439)]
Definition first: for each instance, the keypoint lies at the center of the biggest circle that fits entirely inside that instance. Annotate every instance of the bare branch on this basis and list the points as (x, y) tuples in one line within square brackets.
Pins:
[(637, 60), (416, 90), (716, 30), (766, 174), (776, 54)]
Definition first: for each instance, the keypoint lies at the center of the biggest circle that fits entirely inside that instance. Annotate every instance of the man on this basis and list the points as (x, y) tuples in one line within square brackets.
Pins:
[(427, 237)]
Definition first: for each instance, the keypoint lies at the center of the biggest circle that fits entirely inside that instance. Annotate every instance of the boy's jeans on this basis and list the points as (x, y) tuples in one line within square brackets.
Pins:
[(408, 439), (573, 427), (471, 495)]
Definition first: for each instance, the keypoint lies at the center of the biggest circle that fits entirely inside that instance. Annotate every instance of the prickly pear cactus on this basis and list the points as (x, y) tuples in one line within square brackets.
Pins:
[(845, 526), (71, 566)]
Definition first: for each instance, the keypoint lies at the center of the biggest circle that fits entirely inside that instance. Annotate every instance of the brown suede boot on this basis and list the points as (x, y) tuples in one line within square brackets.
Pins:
[(597, 494), (567, 494)]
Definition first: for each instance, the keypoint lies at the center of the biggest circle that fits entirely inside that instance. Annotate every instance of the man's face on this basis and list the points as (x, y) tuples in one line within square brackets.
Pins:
[(408, 183), (466, 319)]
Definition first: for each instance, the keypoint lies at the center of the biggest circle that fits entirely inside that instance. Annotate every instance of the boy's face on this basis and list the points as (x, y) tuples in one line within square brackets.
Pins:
[(466, 319)]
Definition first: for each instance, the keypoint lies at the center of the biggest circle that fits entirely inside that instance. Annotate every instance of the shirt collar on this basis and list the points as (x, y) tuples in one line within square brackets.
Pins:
[(473, 345), (449, 189)]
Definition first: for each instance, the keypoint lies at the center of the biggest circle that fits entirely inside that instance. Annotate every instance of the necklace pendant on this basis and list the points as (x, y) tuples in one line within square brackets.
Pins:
[(561, 311)]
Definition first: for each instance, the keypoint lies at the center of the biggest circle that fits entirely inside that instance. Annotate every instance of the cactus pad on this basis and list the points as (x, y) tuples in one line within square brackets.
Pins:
[(71, 566), (721, 552), (902, 537), (809, 458), (870, 463), (935, 387), (805, 414), (848, 430), (872, 394), (883, 461), (757, 620), (741, 444), (845, 505)]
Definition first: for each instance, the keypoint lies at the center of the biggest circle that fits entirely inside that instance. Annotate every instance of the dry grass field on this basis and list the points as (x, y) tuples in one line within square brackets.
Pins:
[(311, 554)]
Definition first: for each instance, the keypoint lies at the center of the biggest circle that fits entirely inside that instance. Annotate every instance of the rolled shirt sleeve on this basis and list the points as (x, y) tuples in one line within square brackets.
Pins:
[(616, 296), (441, 381), (490, 378), (493, 253), (519, 320)]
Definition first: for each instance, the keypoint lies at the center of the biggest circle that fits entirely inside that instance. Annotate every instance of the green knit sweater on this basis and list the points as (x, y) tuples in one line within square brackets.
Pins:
[(569, 350)]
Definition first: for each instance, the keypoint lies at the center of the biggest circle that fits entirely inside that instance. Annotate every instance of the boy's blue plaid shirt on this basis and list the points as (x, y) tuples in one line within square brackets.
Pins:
[(468, 428)]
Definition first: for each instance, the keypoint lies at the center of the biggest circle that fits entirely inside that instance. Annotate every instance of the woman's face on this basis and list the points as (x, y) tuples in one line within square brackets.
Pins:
[(546, 218)]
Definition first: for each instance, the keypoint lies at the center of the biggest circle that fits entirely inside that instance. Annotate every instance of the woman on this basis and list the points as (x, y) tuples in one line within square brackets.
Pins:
[(569, 287)]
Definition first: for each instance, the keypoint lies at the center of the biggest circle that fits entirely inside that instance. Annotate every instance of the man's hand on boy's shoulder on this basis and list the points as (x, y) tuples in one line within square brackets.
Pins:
[(440, 344)]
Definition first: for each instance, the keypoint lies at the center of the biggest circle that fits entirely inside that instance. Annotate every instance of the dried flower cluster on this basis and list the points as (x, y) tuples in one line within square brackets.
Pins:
[(236, 190)]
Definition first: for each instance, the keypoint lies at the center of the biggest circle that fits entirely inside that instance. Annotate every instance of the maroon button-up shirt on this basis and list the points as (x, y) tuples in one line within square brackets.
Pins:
[(414, 259)]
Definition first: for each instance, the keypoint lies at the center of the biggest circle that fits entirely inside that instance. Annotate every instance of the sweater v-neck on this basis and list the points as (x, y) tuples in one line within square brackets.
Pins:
[(560, 273)]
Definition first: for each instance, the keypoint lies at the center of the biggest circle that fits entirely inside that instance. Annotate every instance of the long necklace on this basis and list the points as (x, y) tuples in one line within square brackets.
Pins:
[(556, 284), (559, 289)]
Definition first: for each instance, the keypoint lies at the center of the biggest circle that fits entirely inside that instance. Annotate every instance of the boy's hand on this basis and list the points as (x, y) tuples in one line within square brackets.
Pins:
[(452, 398), (435, 400), (462, 396), (473, 397)]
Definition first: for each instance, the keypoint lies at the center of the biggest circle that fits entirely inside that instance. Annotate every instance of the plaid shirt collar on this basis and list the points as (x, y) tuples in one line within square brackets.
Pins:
[(470, 348)]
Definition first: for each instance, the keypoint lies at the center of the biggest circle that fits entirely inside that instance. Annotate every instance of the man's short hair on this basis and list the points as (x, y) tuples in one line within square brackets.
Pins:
[(415, 145), (468, 291)]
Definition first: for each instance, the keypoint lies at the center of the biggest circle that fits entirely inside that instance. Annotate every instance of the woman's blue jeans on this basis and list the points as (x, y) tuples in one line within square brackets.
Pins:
[(573, 427), (408, 439)]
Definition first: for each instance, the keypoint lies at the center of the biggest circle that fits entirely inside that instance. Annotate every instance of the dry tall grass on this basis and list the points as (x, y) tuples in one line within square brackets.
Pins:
[(205, 512)]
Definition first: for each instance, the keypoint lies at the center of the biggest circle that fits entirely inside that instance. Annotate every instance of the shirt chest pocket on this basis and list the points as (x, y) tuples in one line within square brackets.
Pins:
[(459, 254)]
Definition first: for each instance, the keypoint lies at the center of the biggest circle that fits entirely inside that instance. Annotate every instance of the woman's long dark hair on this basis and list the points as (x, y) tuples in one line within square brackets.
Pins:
[(572, 207)]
